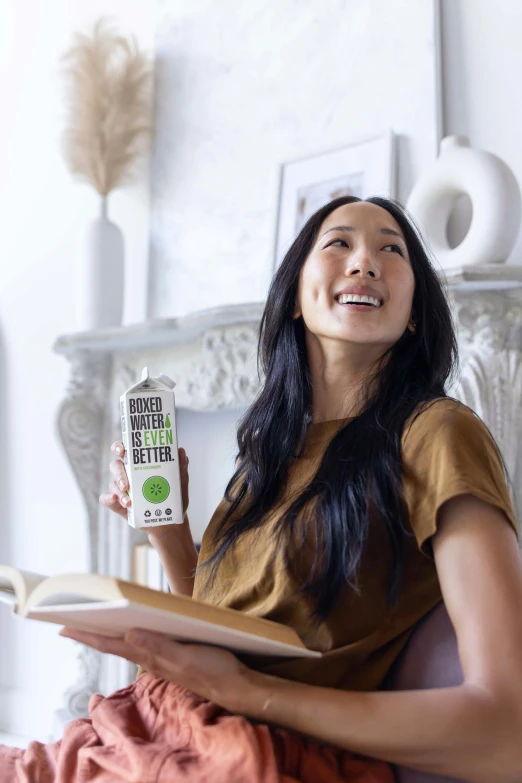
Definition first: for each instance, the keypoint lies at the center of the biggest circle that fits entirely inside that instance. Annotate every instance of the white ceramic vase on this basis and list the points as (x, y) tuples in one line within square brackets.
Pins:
[(100, 281), (495, 198)]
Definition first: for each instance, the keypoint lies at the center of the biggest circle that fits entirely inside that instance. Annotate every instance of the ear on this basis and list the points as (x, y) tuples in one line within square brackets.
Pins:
[(297, 312)]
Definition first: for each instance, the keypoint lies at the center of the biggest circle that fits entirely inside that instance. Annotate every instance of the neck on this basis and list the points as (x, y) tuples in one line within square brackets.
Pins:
[(339, 385)]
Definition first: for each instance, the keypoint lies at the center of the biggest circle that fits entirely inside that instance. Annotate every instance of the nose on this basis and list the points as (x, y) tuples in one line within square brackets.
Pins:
[(363, 263)]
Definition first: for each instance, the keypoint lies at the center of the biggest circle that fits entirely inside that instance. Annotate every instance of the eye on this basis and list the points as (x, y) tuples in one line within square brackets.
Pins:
[(398, 249)]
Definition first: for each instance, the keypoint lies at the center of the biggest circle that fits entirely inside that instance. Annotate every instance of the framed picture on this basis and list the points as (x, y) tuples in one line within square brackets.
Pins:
[(365, 168)]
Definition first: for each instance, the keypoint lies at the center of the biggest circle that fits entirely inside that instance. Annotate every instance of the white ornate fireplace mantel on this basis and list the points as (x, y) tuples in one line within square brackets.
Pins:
[(212, 357)]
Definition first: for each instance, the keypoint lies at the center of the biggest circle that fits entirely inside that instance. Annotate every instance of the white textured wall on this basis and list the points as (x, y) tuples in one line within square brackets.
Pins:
[(242, 87), (43, 214)]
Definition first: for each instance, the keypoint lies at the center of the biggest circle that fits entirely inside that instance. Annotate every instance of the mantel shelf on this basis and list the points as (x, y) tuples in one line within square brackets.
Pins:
[(484, 277), (159, 331), (187, 328)]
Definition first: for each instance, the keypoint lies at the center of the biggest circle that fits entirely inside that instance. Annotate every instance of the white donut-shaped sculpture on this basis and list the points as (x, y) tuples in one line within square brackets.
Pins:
[(495, 197)]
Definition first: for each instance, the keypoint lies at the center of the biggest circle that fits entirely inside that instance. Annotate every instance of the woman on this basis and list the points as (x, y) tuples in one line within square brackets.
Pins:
[(363, 496)]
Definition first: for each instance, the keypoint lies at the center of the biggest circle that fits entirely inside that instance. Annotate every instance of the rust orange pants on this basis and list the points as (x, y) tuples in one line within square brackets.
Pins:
[(154, 731)]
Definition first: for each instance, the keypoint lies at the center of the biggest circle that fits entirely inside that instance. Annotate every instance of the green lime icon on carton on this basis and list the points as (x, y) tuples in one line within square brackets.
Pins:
[(156, 489)]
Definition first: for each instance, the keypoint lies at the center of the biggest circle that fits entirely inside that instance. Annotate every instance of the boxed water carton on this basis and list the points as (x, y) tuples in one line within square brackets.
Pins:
[(148, 423)]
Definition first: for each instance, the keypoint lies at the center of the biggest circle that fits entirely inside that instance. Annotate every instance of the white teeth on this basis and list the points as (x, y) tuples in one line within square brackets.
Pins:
[(344, 298)]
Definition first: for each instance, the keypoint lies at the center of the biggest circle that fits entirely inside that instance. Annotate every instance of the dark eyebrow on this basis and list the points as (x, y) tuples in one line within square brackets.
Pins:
[(385, 231)]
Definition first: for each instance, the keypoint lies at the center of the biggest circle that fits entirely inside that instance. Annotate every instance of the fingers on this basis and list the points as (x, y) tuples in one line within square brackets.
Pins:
[(117, 498), (158, 643), (105, 644), (122, 497), (140, 647), (111, 500), (117, 468), (118, 448)]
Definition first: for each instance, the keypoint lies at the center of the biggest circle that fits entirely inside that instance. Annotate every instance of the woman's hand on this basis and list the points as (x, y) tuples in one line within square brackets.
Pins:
[(173, 543), (117, 499), (210, 672)]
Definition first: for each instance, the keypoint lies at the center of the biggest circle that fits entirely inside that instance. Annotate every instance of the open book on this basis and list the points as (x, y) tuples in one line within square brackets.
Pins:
[(104, 604)]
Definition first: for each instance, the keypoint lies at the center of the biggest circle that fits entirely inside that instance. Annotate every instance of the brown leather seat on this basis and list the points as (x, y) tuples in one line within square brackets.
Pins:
[(429, 660)]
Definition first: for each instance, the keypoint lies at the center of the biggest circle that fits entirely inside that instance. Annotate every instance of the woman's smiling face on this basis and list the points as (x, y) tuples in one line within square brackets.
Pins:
[(358, 244)]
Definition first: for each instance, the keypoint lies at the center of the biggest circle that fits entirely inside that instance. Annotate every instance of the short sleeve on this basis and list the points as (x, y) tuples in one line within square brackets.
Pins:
[(447, 450)]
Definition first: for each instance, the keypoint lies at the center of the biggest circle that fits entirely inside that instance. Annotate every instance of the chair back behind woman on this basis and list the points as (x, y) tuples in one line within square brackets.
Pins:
[(429, 660)]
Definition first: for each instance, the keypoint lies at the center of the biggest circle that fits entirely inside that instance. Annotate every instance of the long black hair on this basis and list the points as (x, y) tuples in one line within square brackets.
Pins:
[(362, 463)]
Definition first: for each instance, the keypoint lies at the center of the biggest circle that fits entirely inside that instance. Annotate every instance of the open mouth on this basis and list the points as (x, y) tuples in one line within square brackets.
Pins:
[(360, 305), (359, 302)]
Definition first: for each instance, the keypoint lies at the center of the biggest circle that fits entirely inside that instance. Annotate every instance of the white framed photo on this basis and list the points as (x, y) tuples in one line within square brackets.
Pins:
[(364, 168)]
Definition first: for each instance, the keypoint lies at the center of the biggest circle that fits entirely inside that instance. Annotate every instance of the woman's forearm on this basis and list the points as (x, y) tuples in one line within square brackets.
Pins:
[(178, 555), (461, 732)]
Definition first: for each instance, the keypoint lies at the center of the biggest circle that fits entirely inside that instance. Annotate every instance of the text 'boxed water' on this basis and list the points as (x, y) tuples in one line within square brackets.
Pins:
[(148, 423)]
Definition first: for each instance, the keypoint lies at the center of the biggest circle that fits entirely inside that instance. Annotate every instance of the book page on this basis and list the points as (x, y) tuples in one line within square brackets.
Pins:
[(16, 585), (70, 598), (7, 593), (85, 590), (74, 588)]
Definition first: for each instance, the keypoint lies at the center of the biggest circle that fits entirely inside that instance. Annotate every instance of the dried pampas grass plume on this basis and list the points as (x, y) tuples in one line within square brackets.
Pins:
[(108, 108)]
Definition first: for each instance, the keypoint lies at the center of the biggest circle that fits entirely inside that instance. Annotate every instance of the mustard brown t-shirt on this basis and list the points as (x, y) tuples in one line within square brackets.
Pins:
[(446, 451)]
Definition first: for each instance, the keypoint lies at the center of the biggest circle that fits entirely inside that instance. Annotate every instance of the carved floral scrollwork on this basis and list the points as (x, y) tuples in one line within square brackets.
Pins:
[(77, 697), (488, 320), (224, 374), (490, 345), (80, 426)]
